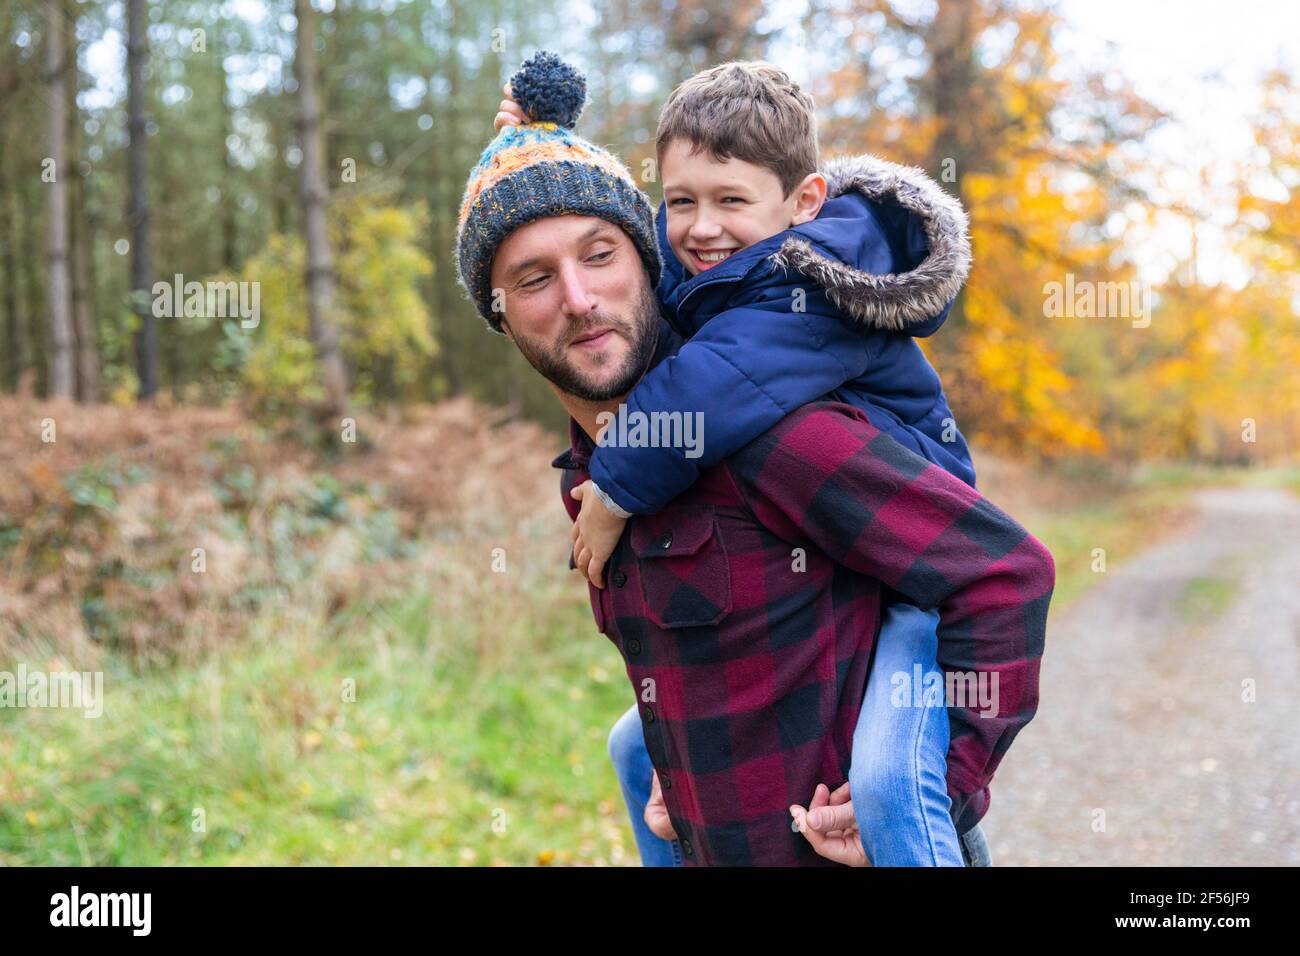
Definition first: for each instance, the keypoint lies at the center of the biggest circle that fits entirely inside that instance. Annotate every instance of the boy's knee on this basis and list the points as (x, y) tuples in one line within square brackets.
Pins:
[(880, 791), (624, 739)]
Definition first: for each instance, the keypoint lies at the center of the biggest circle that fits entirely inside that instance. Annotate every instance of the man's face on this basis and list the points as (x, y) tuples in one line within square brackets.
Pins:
[(578, 304), (717, 208)]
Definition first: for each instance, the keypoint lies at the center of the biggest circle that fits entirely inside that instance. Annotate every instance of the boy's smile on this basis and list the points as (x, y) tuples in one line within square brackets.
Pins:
[(718, 207)]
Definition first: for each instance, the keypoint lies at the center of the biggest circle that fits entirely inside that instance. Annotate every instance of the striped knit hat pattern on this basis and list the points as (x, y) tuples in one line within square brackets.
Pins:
[(543, 169)]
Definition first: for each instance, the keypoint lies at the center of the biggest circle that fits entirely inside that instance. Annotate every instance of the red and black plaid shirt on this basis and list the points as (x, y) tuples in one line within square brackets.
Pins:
[(746, 612)]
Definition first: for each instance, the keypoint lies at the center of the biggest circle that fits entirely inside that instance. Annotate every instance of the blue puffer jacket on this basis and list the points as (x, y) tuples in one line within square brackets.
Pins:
[(830, 307)]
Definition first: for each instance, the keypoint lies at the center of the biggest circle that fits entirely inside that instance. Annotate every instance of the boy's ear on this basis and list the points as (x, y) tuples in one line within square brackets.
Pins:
[(809, 197)]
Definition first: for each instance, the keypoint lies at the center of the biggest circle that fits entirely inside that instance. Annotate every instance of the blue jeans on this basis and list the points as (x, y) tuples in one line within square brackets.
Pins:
[(975, 848), (897, 774), (899, 769), (632, 766)]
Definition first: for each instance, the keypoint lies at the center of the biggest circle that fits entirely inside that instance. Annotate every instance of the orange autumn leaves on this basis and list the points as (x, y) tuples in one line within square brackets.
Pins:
[(1052, 161)]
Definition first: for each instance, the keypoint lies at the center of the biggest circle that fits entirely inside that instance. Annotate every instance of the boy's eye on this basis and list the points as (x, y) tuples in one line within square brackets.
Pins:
[(678, 201), (729, 198)]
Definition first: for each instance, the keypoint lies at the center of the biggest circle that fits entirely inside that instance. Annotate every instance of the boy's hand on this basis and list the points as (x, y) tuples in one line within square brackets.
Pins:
[(595, 534), (509, 113), (831, 827), (656, 812)]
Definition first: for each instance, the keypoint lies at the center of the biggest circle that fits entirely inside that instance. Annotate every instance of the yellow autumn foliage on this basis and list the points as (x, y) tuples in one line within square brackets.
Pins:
[(1051, 166), (382, 319)]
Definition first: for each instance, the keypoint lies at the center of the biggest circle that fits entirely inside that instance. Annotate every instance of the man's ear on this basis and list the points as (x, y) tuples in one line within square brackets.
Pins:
[(506, 328), (809, 197)]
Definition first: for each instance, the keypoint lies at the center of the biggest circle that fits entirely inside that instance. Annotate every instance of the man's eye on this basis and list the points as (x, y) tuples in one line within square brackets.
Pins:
[(533, 283), (601, 256)]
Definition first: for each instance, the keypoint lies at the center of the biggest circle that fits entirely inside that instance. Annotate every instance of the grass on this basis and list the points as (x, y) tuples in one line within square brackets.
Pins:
[(1204, 600), (1123, 520), (1185, 476), (257, 758), (475, 736), (1121, 526)]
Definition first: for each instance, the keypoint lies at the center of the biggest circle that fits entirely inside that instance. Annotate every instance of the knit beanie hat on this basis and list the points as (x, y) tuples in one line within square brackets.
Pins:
[(542, 169)]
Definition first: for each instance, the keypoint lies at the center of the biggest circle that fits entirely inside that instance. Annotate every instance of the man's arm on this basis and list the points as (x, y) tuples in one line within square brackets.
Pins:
[(826, 475)]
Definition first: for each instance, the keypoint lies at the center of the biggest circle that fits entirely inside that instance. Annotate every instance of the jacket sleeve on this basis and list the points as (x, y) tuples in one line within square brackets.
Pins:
[(745, 370), (825, 475)]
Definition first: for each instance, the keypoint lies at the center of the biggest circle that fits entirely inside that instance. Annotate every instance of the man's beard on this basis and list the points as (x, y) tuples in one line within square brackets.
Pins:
[(641, 332)]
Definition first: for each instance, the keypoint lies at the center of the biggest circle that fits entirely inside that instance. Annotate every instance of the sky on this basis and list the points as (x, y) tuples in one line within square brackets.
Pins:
[(1200, 61)]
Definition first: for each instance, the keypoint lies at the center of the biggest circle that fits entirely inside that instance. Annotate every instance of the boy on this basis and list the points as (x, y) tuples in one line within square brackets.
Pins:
[(792, 285)]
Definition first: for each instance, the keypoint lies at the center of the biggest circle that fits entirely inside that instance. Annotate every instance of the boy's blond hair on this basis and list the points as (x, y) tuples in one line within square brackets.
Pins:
[(747, 109)]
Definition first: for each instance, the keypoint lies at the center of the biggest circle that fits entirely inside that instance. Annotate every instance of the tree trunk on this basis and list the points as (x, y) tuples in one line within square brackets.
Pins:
[(146, 336), (440, 239), (451, 329), (229, 229), (950, 91), (83, 305), (16, 351), (320, 265), (83, 308), (278, 176), (62, 383), (37, 370)]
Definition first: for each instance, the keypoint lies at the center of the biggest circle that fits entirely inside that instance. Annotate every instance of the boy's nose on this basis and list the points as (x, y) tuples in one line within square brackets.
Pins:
[(705, 227)]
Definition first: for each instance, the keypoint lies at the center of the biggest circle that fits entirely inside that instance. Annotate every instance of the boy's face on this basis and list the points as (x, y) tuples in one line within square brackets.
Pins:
[(717, 208)]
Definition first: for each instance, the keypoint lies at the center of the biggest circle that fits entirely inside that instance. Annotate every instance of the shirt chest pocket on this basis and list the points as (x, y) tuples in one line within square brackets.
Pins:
[(684, 571)]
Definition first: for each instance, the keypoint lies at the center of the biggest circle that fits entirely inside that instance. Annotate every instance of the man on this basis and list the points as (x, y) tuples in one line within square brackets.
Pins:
[(746, 611)]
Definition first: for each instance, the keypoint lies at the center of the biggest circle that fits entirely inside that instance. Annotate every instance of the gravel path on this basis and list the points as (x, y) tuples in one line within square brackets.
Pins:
[(1141, 713)]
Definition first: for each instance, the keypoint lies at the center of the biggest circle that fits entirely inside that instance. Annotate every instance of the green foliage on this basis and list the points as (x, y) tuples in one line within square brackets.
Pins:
[(381, 317), (93, 486), (418, 770)]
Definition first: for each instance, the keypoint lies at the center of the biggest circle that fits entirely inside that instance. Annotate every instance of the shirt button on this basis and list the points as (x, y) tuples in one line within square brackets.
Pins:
[(665, 783), (687, 848), (620, 579), (666, 541), (649, 716), (633, 646)]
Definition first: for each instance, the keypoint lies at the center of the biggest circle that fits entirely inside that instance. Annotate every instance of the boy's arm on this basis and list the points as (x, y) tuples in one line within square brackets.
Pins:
[(827, 476), (744, 371)]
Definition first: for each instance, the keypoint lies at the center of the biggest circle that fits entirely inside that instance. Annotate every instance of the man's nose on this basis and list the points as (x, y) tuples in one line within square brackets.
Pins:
[(577, 299)]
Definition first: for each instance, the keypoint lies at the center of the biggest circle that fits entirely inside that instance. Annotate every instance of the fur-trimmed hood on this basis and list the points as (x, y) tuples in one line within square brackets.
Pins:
[(897, 301), (890, 249), (829, 308)]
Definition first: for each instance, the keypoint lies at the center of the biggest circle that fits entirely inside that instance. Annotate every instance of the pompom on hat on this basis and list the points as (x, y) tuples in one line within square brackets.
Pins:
[(543, 169), (550, 90)]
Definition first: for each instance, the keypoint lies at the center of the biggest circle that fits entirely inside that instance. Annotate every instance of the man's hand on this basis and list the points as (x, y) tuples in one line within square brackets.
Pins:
[(656, 813), (509, 113), (595, 534), (830, 826)]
